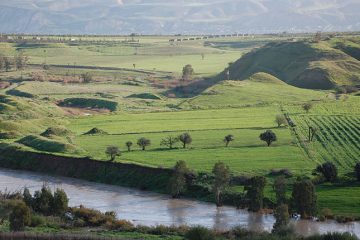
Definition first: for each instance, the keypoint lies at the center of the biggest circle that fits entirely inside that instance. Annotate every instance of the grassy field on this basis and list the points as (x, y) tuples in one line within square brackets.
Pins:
[(146, 107)]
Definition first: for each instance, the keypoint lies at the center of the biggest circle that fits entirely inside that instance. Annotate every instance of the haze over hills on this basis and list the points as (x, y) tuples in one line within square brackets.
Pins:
[(172, 17)]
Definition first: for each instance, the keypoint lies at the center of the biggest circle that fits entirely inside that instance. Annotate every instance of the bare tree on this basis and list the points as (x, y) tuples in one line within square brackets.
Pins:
[(169, 141)]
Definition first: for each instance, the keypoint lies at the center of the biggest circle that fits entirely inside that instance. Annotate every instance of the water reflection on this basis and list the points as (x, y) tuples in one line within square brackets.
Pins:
[(151, 209)]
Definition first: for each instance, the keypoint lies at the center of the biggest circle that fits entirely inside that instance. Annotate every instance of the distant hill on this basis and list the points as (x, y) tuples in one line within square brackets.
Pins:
[(177, 16), (258, 89), (301, 64)]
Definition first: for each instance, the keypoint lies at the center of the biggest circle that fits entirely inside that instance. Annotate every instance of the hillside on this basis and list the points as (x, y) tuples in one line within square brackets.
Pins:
[(301, 64), (172, 17), (259, 89)]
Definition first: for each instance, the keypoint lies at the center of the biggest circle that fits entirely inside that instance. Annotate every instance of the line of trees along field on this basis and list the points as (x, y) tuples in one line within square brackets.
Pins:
[(18, 62)]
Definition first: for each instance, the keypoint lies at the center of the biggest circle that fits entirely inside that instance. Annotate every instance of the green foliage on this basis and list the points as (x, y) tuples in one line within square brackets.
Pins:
[(221, 180), (255, 192), (199, 233), (20, 217), (91, 217), (27, 197), (304, 198), (128, 145), (186, 139), (227, 139), (307, 107), (89, 103), (177, 183), (357, 171), (43, 201), (60, 202), (187, 72), (169, 141), (268, 136), (143, 143), (113, 152), (328, 170), (279, 187), (333, 236), (282, 218)]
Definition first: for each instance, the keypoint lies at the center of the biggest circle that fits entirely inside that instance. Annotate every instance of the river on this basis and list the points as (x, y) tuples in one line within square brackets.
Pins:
[(148, 208)]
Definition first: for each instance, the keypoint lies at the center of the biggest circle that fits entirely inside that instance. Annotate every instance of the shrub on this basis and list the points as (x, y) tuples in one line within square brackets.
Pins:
[(333, 236), (91, 217), (357, 171), (199, 233), (122, 225), (36, 221), (43, 201), (328, 170), (60, 202), (20, 217)]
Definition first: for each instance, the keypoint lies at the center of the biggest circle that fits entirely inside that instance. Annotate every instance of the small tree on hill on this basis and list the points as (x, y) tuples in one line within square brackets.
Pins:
[(61, 201), (282, 218), (304, 198), (268, 137), (177, 184), (221, 180), (280, 190), (186, 139), (357, 171), (227, 139), (281, 120), (255, 192), (328, 170), (143, 143), (113, 152), (20, 217), (307, 107), (169, 141), (128, 145)]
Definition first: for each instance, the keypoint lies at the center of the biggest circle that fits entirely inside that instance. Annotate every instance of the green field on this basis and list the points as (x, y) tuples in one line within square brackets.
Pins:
[(146, 101)]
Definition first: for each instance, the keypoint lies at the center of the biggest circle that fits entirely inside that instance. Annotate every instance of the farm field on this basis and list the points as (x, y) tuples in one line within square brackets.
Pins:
[(136, 90)]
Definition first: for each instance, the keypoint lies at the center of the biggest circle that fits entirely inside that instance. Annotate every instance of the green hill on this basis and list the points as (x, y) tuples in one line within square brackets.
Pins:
[(259, 89), (301, 64)]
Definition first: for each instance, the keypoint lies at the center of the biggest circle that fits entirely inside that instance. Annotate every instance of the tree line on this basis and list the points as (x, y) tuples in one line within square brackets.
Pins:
[(185, 139), (17, 62)]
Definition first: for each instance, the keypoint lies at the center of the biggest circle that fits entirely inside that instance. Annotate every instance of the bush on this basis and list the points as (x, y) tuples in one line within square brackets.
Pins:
[(91, 217), (37, 221), (328, 170), (20, 217), (43, 201), (199, 233), (333, 236), (60, 202), (357, 171), (89, 103), (122, 225)]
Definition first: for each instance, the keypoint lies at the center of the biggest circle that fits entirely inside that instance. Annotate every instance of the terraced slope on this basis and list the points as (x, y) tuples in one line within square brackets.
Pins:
[(301, 64)]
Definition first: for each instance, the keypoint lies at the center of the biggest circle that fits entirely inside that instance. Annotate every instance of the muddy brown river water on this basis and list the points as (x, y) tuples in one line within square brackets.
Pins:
[(148, 208)]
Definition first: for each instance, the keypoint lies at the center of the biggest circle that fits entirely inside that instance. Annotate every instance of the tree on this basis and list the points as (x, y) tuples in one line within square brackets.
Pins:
[(268, 136), (255, 192), (43, 200), (143, 143), (20, 217), (113, 152), (20, 61), (177, 182), (87, 77), (280, 190), (27, 197), (185, 138), (281, 120), (228, 138), (128, 145), (328, 170), (304, 198), (307, 107), (312, 132), (187, 72), (60, 203), (2, 62), (7, 64), (169, 141), (357, 171), (282, 218), (221, 180)]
